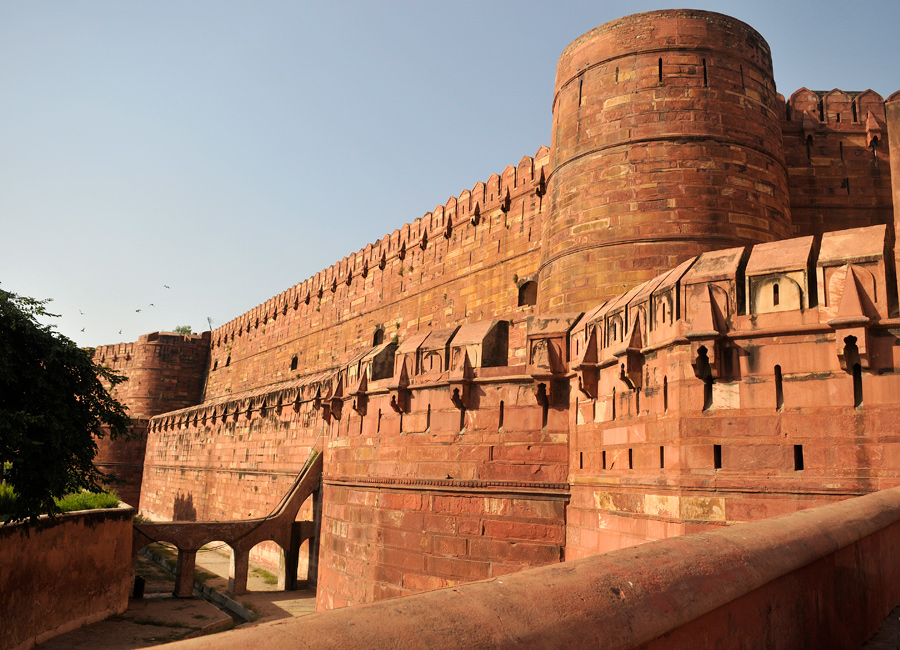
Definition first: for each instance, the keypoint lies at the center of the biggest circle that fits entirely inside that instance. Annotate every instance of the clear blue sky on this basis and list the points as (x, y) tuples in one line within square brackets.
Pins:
[(232, 149)]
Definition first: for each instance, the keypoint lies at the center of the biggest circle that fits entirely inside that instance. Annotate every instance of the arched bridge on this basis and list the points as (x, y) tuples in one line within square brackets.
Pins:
[(242, 535)]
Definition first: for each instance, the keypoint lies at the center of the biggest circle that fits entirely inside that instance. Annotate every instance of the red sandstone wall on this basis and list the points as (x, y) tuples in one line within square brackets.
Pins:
[(165, 371), (423, 275), (59, 575), (643, 459), (838, 158), (666, 143)]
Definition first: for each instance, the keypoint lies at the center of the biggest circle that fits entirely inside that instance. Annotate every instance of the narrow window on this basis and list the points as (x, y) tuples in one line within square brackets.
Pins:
[(660, 69), (798, 458), (603, 458), (637, 401), (580, 460), (717, 456), (743, 85), (776, 299), (779, 389), (662, 457), (499, 423), (378, 337), (821, 111), (631, 459), (705, 79), (228, 361), (837, 118), (841, 146), (853, 114), (378, 423), (580, 85), (294, 362), (215, 365), (428, 416), (665, 394), (617, 75), (614, 404), (857, 386), (401, 422), (707, 393)]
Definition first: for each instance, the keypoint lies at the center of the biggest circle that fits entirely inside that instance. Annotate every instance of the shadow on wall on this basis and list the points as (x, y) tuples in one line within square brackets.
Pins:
[(183, 509)]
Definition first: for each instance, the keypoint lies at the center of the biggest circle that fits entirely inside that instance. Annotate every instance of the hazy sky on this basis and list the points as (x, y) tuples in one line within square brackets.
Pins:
[(232, 149)]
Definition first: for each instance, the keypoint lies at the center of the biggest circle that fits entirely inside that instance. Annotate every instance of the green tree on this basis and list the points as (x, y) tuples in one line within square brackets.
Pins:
[(184, 329), (53, 406)]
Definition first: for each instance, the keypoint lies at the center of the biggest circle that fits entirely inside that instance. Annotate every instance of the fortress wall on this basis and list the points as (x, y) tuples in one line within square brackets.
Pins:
[(421, 502), (838, 157), (464, 260), (666, 143), (166, 371), (778, 395)]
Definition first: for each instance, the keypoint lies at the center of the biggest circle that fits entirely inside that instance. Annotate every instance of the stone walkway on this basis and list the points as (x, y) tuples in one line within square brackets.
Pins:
[(161, 618)]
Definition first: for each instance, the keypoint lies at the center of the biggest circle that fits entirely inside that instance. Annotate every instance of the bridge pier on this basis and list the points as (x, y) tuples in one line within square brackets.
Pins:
[(184, 573), (240, 566)]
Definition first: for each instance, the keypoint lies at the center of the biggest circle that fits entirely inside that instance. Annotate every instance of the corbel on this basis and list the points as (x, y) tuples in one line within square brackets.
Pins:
[(460, 381), (629, 358), (586, 366), (359, 396), (399, 390), (851, 325), (706, 338)]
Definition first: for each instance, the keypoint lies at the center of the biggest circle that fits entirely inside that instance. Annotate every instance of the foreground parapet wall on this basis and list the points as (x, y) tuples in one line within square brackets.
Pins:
[(823, 578), (58, 575)]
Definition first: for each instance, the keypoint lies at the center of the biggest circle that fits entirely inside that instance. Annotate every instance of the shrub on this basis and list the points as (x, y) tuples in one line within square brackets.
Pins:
[(88, 501)]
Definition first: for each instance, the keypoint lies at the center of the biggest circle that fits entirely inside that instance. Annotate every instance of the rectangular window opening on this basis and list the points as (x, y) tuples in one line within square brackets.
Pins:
[(779, 389), (662, 457), (580, 460), (631, 459), (717, 456), (603, 457), (798, 458)]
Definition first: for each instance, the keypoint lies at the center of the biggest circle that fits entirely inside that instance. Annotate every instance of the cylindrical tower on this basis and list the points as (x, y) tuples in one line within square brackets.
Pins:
[(665, 144)]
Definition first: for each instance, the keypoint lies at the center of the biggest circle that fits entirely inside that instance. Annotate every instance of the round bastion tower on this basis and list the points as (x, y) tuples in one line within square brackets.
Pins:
[(666, 144)]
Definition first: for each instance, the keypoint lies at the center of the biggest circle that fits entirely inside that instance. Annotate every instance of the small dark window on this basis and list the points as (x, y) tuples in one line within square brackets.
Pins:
[(841, 147), (776, 298), (798, 458), (617, 75), (717, 456), (215, 365), (665, 394), (378, 337), (662, 457), (705, 79), (779, 389), (707, 393), (294, 362), (499, 424), (614, 404), (660, 69), (857, 386), (603, 459), (228, 361), (743, 85), (428, 418), (821, 111), (631, 459), (528, 294), (853, 112), (580, 460)]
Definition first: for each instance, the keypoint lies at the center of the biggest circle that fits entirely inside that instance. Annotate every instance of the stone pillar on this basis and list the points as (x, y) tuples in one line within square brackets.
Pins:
[(312, 573), (240, 566), (184, 573)]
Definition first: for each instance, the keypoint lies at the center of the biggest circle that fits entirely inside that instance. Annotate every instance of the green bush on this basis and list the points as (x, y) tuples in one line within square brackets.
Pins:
[(7, 498), (88, 501)]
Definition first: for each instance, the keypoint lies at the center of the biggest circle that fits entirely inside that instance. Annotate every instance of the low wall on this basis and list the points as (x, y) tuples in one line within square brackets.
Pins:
[(61, 574), (824, 577)]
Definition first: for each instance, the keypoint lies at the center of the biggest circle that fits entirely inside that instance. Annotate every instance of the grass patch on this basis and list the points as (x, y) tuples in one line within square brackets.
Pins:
[(251, 607), (268, 578), (88, 501)]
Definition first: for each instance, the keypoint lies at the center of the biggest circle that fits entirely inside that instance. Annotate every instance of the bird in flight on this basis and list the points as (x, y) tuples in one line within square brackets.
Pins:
[(152, 305), (82, 329), (81, 312), (120, 331), (167, 286), (137, 310)]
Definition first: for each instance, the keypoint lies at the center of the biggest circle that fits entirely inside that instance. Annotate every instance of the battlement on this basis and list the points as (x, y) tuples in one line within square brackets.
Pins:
[(483, 201)]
